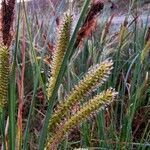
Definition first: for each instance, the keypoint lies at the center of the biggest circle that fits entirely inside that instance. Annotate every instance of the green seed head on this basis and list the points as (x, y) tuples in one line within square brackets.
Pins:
[(4, 72), (94, 105), (96, 76), (61, 45)]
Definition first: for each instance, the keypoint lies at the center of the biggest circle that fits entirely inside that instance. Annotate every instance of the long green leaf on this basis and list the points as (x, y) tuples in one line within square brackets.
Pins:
[(36, 79), (12, 91)]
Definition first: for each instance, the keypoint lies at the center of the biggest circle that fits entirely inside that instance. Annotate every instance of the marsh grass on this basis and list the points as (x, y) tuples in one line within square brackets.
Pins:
[(124, 124)]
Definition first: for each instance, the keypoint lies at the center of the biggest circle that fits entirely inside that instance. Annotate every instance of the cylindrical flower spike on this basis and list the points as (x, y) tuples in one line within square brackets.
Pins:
[(122, 33), (59, 52), (145, 51), (4, 72), (96, 75), (87, 109)]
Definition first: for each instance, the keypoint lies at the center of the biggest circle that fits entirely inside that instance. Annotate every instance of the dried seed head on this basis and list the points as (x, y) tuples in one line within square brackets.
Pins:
[(90, 22), (7, 21)]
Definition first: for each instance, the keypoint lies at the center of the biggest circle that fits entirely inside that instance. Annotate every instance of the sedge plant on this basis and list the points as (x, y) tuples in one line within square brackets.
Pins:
[(95, 77)]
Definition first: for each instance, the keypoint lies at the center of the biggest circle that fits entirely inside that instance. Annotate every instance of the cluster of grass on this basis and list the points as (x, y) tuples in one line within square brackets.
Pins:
[(66, 114)]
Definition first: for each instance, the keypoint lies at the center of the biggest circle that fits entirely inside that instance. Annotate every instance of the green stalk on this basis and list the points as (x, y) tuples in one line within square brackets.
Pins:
[(101, 129), (85, 134), (12, 92), (2, 129)]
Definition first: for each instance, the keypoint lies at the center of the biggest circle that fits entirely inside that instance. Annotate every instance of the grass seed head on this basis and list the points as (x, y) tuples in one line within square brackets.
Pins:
[(4, 73), (95, 77), (62, 42), (84, 113)]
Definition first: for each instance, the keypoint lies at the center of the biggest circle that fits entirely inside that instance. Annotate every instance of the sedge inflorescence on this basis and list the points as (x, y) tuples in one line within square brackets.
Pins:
[(83, 113), (63, 119), (97, 75), (60, 123), (4, 73), (59, 52)]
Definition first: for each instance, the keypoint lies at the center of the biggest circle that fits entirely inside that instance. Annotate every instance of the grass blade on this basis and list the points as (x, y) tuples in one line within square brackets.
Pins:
[(12, 92)]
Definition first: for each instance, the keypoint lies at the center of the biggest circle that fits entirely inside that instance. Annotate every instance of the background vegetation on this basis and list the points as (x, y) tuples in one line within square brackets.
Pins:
[(124, 123)]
